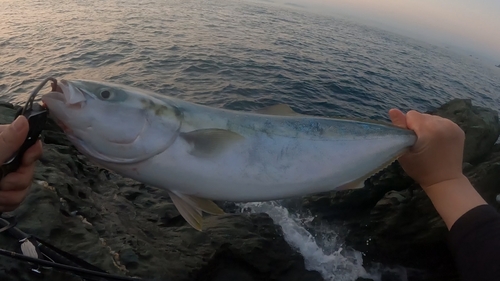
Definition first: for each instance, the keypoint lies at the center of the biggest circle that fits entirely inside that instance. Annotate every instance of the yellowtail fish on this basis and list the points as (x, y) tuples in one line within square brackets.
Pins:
[(200, 153)]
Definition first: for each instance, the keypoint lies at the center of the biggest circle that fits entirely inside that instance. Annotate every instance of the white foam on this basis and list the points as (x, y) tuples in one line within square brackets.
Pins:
[(322, 252)]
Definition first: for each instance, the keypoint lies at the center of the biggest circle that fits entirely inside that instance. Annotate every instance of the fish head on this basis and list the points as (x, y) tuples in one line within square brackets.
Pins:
[(113, 123)]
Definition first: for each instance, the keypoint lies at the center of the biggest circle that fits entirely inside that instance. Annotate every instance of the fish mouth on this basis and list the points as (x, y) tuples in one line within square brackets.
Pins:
[(67, 93)]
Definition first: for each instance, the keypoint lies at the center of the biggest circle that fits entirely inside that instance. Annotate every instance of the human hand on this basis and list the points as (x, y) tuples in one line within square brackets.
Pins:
[(15, 186), (438, 152)]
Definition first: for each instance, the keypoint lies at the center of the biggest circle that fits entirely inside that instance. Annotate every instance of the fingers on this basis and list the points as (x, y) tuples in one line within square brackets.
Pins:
[(12, 137), (16, 185), (414, 120), (19, 180), (32, 154), (421, 123), (23, 176), (398, 118), (10, 200)]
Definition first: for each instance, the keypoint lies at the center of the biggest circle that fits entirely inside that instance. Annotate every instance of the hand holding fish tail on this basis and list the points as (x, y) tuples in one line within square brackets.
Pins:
[(438, 153), (435, 161)]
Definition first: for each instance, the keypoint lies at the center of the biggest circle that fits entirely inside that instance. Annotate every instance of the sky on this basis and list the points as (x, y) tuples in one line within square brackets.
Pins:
[(472, 26)]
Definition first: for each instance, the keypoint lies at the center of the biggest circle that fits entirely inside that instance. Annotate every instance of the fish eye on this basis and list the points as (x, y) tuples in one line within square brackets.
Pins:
[(105, 94), (111, 95)]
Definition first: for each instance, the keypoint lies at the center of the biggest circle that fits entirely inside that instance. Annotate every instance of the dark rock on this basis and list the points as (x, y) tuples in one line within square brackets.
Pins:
[(485, 177), (496, 147), (390, 277), (129, 258), (392, 220), (6, 105), (127, 228), (466, 167), (8, 113), (352, 204), (402, 227), (481, 126)]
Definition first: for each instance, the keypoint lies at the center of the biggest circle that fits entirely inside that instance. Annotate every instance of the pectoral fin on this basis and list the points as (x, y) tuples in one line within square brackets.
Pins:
[(210, 142), (191, 207), (279, 109)]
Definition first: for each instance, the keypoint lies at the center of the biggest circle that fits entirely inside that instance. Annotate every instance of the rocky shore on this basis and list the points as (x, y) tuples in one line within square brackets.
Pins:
[(127, 228), (392, 221)]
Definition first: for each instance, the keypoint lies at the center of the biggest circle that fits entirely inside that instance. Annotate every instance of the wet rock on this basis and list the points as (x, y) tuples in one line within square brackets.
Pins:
[(7, 114), (127, 228), (354, 204), (401, 227), (129, 258), (466, 167), (481, 126), (392, 220), (485, 177)]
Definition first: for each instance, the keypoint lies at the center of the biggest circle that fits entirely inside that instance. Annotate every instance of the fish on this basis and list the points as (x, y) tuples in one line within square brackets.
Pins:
[(200, 154)]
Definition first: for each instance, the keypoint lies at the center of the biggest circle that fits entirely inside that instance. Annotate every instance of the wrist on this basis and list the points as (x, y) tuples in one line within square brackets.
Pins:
[(454, 197), (458, 180)]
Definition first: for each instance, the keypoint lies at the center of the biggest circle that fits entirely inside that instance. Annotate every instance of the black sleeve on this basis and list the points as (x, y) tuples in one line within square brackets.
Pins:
[(475, 243)]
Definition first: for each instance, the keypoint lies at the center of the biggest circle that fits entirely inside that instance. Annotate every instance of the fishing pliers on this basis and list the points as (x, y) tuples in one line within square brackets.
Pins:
[(37, 115)]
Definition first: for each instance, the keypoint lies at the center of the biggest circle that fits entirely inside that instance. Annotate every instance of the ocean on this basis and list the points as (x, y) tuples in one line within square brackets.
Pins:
[(240, 55)]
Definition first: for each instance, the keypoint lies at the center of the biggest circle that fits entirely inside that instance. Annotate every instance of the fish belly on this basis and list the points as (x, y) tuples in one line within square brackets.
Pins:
[(269, 168)]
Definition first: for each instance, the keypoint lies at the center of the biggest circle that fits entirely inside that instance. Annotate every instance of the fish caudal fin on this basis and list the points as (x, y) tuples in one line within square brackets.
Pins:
[(191, 207)]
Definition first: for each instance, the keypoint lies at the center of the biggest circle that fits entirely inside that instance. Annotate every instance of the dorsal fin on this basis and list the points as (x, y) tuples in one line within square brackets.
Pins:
[(278, 109)]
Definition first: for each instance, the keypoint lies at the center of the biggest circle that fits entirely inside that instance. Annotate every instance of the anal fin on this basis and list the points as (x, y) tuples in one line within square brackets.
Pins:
[(191, 207), (190, 214), (202, 204), (356, 184), (359, 182)]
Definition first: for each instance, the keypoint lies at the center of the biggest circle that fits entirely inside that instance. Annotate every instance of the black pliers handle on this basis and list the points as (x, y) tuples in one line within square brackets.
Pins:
[(37, 117)]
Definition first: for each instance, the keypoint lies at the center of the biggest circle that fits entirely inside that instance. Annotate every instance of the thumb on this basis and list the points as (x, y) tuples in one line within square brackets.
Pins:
[(12, 137), (398, 118)]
